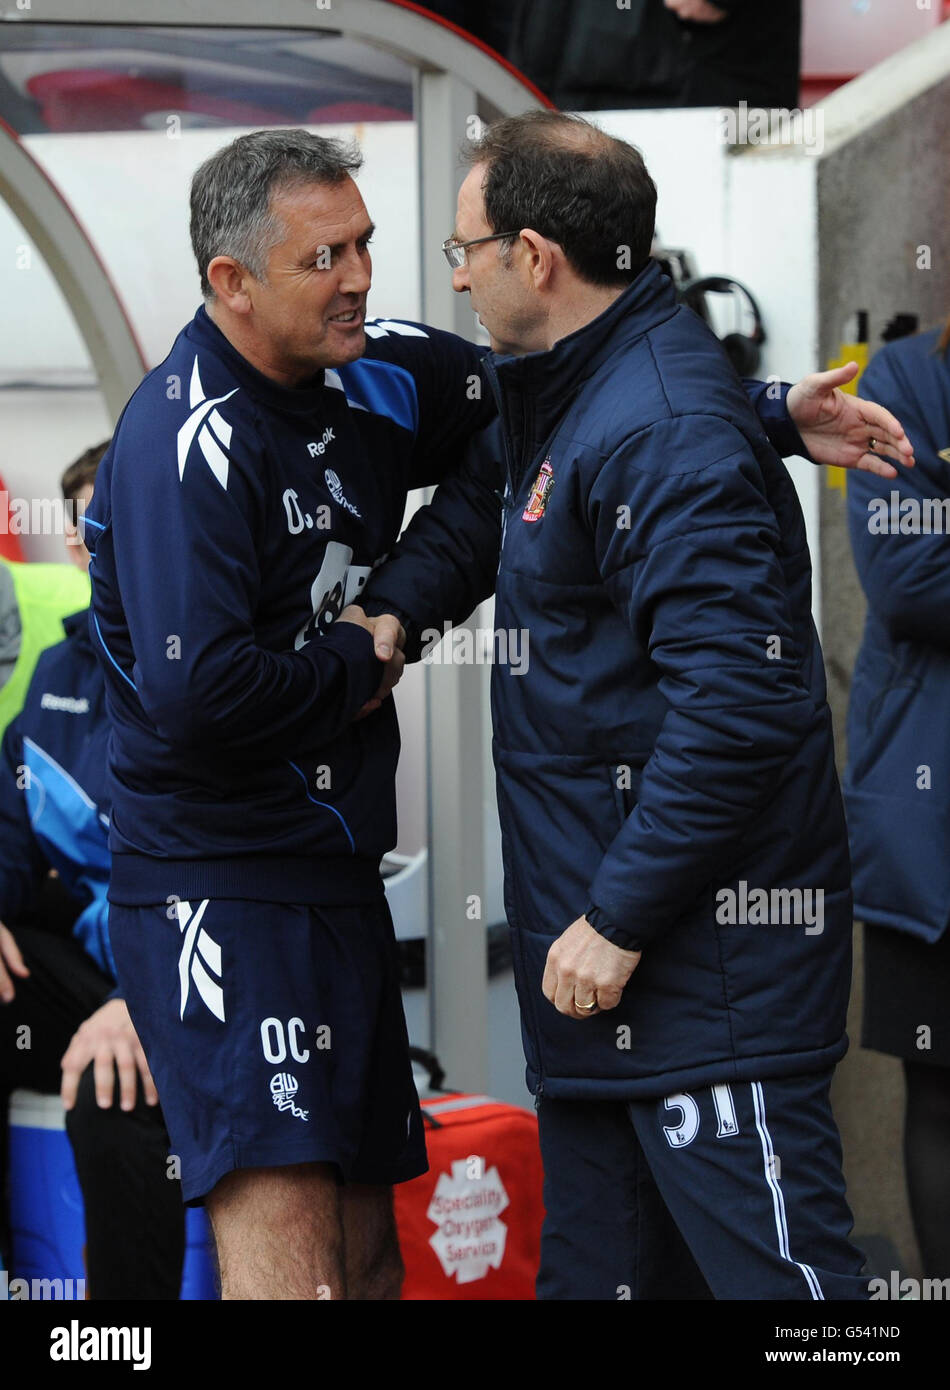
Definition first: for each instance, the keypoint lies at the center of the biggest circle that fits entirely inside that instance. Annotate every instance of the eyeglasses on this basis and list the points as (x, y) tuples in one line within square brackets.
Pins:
[(454, 251)]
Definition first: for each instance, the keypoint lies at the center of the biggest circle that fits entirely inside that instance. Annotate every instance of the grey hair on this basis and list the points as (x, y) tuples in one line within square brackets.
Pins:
[(232, 193)]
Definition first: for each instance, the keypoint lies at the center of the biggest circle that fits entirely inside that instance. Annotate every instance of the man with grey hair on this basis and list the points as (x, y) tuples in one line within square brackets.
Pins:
[(255, 479)]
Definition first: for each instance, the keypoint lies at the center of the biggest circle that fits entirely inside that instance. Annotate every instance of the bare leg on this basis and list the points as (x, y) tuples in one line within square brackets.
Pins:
[(374, 1267), (279, 1233)]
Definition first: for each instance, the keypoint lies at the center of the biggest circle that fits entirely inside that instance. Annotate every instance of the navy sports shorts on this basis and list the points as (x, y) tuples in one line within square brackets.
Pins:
[(275, 1034)]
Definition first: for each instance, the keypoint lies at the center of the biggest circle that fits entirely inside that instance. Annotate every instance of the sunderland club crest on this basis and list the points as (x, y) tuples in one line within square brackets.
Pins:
[(543, 487)]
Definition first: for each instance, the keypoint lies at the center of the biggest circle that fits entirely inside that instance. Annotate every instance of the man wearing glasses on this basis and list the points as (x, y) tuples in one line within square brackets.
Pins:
[(683, 945)]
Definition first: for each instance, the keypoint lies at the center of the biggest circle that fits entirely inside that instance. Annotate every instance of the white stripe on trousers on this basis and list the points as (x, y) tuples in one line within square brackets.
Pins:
[(778, 1200)]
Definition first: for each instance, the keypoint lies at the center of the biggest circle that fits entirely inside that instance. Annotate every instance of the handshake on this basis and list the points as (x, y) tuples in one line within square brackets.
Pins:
[(390, 639)]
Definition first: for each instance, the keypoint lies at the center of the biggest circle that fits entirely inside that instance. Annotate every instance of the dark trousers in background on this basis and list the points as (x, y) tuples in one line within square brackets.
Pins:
[(135, 1223)]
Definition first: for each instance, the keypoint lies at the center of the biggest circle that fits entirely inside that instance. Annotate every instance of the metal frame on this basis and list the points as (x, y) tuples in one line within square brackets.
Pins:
[(456, 78), (74, 264)]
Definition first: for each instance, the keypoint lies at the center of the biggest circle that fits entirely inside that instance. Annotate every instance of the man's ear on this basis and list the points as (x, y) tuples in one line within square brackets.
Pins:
[(228, 278), (538, 253)]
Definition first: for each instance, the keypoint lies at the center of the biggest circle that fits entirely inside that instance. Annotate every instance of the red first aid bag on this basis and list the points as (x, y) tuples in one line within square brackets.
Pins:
[(470, 1228)]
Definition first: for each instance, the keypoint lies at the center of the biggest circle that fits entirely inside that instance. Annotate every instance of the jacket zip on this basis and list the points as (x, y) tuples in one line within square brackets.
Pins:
[(495, 385), (509, 505), (529, 456)]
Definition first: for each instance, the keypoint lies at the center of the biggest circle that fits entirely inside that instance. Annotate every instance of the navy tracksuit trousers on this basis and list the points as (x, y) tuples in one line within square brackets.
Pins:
[(728, 1192)]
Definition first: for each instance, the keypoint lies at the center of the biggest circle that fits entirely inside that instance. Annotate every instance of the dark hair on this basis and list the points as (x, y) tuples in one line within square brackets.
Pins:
[(567, 180), (83, 472), (231, 193)]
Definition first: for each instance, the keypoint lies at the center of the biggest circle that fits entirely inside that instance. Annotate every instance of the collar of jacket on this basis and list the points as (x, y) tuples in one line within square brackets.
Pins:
[(302, 398), (534, 391)]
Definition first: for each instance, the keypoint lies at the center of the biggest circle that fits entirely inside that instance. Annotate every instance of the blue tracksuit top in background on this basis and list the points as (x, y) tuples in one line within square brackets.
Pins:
[(54, 799), (666, 750), (896, 784), (233, 519)]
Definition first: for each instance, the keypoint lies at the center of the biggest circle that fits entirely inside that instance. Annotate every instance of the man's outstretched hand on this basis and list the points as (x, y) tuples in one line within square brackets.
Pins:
[(838, 428), (390, 640)]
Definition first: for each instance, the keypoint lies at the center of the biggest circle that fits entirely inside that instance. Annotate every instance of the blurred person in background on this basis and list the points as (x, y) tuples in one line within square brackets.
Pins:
[(57, 974), (34, 600), (588, 55), (895, 785), (488, 20)]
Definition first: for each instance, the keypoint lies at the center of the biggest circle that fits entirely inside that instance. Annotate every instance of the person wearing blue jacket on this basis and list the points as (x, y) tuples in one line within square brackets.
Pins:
[(57, 974), (676, 862), (894, 784)]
